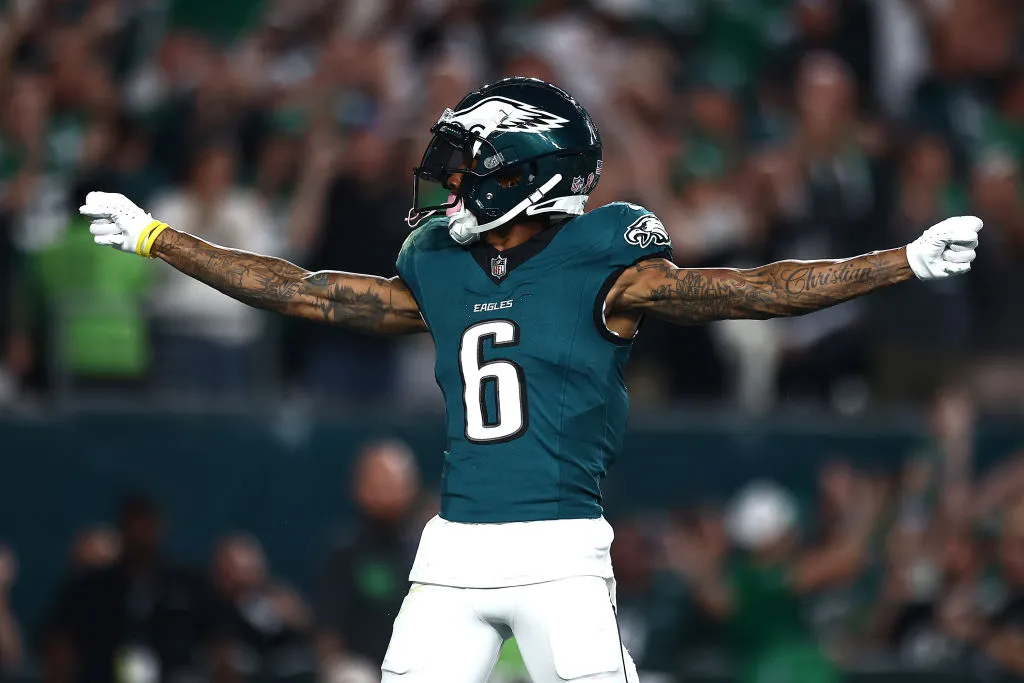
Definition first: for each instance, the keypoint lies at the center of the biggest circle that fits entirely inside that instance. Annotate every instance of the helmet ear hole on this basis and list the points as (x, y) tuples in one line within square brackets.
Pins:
[(510, 178), (524, 175), (530, 173)]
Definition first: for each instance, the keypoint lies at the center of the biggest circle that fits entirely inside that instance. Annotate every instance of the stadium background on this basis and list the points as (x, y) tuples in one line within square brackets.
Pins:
[(278, 455)]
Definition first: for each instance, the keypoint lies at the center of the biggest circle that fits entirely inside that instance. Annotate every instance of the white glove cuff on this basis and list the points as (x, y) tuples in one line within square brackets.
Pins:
[(918, 262)]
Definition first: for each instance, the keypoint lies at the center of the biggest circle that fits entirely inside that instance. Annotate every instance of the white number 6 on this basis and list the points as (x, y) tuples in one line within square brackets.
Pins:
[(509, 384)]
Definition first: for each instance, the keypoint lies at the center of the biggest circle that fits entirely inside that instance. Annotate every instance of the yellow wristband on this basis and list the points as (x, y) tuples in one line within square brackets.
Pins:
[(151, 240), (143, 244), (143, 234)]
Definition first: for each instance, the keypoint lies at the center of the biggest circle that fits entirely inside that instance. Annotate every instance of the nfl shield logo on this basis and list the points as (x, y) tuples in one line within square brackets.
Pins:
[(498, 266)]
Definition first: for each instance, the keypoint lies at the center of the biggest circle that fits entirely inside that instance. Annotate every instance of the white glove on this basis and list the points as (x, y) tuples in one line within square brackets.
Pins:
[(945, 249), (117, 222)]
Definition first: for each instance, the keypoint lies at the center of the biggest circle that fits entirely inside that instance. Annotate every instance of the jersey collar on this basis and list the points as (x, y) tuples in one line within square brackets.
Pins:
[(497, 265)]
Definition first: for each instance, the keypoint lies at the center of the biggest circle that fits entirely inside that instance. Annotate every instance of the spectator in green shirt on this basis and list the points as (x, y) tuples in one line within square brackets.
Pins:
[(91, 305), (757, 597)]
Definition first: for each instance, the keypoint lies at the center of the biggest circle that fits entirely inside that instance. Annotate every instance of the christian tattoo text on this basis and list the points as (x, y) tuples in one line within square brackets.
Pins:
[(785, 288)]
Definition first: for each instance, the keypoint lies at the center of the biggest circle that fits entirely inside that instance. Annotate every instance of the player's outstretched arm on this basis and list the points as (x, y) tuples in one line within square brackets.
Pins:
[(689, 296), (364, 303)]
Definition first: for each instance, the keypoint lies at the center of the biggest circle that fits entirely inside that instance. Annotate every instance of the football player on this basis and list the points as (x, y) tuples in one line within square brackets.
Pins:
[(532, 304)]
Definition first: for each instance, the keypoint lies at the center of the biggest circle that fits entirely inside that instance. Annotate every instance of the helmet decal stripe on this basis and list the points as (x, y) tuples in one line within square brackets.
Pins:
[(510, 115)]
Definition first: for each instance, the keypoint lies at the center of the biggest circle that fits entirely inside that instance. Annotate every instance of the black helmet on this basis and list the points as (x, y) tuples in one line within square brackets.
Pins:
[(516, 127)]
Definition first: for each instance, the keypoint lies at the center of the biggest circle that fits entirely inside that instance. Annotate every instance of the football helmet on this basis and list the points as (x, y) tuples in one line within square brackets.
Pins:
[(523, 146)]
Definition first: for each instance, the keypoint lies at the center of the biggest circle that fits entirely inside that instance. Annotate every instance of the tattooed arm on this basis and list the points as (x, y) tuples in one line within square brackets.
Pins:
[(364, 303), (688, 296)]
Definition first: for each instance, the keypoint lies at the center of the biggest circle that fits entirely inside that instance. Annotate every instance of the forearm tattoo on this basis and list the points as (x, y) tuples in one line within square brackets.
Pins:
[(360, 302), (786, 288)]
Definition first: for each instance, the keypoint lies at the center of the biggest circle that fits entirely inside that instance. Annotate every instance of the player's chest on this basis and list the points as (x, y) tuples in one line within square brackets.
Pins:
[(534, 326), (463, 291), (548, 306)]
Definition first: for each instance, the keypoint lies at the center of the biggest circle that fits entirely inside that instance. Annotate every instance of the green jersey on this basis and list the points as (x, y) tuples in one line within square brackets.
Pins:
[(532, 378)]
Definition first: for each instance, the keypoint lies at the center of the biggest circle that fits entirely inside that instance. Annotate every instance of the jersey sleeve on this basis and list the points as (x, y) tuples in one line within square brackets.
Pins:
[(410, 255), (638, 235), (414, 258), (405, 264)]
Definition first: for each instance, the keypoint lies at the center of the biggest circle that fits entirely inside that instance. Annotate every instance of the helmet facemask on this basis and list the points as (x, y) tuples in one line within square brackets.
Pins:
[(450, 151)]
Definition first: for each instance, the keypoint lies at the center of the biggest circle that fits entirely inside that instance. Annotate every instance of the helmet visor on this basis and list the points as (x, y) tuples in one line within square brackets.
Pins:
[(453, 149)]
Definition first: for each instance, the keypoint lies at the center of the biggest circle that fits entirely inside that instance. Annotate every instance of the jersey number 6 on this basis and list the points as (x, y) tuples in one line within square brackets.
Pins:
[(509, 384)]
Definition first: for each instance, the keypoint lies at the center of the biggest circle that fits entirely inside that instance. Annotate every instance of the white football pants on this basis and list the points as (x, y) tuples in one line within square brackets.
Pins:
[(566, 631)]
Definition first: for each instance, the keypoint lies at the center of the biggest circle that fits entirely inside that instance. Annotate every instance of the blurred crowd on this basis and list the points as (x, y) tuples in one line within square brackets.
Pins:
[(756, 129), (130, 613), (916, 566)]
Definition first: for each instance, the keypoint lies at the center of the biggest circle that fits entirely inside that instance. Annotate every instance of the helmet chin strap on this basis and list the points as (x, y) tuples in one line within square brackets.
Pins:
[(464, 227)]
